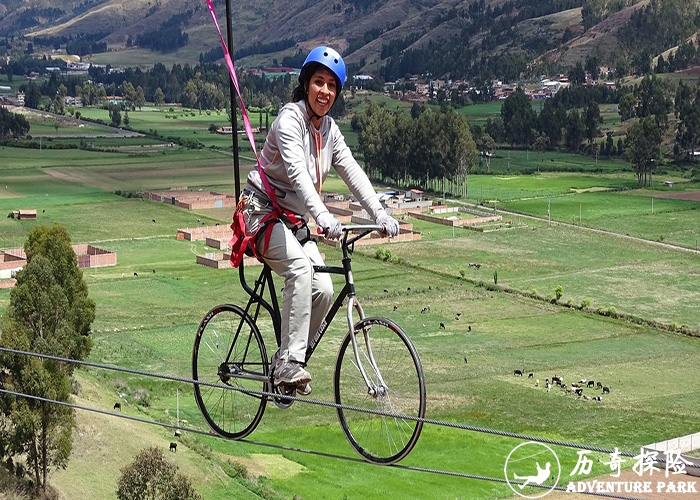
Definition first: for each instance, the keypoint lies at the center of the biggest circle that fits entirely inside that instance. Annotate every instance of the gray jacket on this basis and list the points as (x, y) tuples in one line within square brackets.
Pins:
[(297, 157)]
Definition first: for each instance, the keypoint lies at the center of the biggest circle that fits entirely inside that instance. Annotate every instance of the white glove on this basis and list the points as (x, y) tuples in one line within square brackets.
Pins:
[(332, 228), (390, 226)]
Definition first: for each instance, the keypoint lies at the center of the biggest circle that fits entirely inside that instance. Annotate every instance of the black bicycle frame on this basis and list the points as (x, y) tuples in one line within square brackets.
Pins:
[(265, 280)]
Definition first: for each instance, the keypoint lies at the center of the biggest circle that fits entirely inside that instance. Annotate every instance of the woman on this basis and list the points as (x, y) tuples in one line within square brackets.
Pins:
[(301, 146)]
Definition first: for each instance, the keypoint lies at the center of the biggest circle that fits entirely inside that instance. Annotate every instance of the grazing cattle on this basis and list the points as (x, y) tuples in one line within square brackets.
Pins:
[(469, 328), (136, 274), (117, 406), (474, 265), (386, 291), (425, 310), (183, 421), (586, 397), (395, 307), (597, 398), (178, 433), (537, 383), (518, 373), (530, 375), (590, 383), (154, 271), (556, 379), (154, 221), (599, 385), (582, 381), (465, 359), (606, 389), (173, 447), (549, 386), (442, 326)]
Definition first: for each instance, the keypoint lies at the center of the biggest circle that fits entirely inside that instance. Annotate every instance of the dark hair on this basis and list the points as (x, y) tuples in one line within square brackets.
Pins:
[(301, 92)]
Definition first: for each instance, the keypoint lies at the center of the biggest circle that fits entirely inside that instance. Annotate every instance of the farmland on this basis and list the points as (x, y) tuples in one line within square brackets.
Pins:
[(626, 253)]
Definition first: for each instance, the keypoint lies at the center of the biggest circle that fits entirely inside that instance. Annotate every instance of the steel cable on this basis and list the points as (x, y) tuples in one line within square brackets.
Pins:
[(319, 403)]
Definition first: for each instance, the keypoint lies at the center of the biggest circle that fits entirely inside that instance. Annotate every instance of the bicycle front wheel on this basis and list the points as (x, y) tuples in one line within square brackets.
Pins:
[(230, 353), (396, 395)]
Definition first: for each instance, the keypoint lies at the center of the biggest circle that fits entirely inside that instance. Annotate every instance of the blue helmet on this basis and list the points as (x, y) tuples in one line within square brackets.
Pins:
[(329, 58)]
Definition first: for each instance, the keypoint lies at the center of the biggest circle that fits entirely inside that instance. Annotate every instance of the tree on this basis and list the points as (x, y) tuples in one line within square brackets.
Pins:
[(626, 106), (540, 144), (115, 115), (129, 95), (487, 147), (552, 120), (592, 119), (688, 128), (32, 96), (158, 97), (518, 117), (642, 148), (575, 130), (652, 99), (49, 313), (151, 477)]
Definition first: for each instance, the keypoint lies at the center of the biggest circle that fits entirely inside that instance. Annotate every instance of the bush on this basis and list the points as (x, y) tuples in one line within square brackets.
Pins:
[(382, 254)]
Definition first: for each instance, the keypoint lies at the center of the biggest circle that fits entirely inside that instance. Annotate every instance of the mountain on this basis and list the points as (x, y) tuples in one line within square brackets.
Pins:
[(367, 32)]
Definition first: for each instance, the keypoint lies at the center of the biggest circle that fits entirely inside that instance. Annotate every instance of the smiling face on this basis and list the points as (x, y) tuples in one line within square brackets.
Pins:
[(321, 94)]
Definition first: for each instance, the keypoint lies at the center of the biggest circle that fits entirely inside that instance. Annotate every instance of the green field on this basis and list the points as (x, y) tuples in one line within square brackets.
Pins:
[(148, 322)]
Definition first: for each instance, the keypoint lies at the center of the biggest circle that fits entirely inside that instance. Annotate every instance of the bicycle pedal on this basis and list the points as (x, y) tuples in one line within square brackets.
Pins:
[(281, 401)]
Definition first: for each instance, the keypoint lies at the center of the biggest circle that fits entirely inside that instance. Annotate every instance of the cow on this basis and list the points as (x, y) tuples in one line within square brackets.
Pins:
[(556, 379), (606, 389), (530, 375), (173, 447), (518, 373), (442, 326), (117, 406), (590, 383)]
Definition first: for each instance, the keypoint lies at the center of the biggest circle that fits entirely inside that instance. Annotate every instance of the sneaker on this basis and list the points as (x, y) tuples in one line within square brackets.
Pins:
[(291, 373), (304, 389)]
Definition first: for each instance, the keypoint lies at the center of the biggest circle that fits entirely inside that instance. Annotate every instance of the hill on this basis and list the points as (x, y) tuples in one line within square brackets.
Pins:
[(468, 35)]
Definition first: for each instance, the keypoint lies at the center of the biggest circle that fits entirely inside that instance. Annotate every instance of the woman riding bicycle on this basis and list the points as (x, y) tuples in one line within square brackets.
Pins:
[(301, 146)]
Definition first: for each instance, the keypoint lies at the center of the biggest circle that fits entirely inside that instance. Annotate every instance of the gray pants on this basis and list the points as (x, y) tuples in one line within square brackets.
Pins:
[(307, 295)]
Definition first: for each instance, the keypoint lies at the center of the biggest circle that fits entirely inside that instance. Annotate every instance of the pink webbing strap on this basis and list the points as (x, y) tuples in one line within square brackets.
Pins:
[(246, 121)]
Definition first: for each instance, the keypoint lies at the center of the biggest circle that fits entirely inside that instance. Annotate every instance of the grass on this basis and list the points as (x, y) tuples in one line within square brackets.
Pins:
[(147, 323)]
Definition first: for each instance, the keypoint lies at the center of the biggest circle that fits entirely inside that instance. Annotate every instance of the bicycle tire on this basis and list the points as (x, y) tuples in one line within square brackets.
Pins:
[(381, 439), (228, 342)]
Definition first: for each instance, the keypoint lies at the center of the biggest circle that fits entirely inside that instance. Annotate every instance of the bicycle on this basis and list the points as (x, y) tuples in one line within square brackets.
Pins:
[(379, 383)]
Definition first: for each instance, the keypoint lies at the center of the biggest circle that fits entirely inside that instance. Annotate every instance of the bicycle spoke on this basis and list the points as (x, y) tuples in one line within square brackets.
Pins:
[(399, 390), (228, 346)]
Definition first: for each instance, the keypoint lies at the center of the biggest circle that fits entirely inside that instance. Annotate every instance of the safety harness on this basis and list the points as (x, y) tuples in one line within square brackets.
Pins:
[(242, 243)]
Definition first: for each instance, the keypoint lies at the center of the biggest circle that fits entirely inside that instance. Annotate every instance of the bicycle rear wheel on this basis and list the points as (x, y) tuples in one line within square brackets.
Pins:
[(228, 350), (398, 391)]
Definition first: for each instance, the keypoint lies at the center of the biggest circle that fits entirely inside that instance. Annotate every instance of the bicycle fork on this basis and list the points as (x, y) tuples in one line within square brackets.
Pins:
[(380, 388)]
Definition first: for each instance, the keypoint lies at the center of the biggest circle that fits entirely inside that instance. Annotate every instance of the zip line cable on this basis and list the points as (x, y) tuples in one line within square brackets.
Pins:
[(442, 423), (272, 395), (299, 450)]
